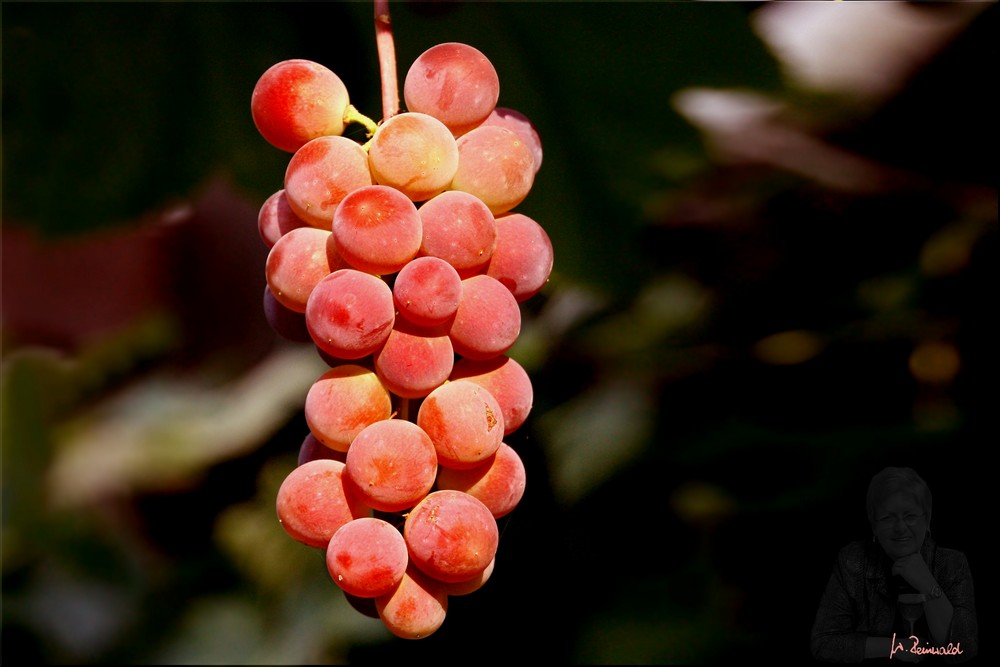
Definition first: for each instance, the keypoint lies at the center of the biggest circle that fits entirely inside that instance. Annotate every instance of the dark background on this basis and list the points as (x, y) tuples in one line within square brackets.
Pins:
[(731, 344)]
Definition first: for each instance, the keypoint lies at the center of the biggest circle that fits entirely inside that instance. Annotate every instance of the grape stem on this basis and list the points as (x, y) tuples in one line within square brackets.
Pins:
[(352, 115), (386, 59)]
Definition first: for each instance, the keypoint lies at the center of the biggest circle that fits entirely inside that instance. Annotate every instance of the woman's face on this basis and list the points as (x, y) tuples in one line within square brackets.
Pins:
[(900, 525)]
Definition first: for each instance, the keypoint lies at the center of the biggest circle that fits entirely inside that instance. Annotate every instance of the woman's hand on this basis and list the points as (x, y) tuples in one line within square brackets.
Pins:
[(915, 571)]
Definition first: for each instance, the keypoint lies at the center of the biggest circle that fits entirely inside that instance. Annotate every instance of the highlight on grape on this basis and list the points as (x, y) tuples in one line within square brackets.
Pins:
[(404, 262)]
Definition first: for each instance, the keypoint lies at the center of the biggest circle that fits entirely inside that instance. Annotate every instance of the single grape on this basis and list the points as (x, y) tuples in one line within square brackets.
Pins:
[(495, 165), (415, 154), (521, 125), (276, 218), (460, 229), (297, 100), (392, 464), (350, 314), (523, 258), (506, 380), (416, 608), (313, 502), (427, 291), (297, 262), (453, 82), (367, 557), (342, 402), (320, 174), (488, 319), (377, 229), (464, 421), (498, 481), (414, 360), (451, 536)]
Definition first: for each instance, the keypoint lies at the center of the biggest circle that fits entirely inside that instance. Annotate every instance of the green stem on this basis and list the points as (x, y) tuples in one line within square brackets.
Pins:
[(352, 115)]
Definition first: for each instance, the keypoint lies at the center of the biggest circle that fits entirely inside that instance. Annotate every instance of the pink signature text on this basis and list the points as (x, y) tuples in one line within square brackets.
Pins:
[(916, 649)]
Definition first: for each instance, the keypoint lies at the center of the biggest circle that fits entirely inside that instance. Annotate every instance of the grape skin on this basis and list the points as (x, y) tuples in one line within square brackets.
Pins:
[(320, 174), (487, 321), (521, 125), (392, 464), (298, 262), (377, 229), (313, 502), (454, 82), (350, 314), (498, 482), (451, 536), (464, 421), (367, 557), (414, 360), (495, 166), (416, 608), (342, 402), (276, 218), (297, 100), (523, 257), (460, 229), (415, 154), (506, 380), (427, 291)]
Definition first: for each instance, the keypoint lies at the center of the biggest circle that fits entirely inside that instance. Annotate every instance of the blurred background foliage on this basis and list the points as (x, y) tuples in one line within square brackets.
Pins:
[(774, 230)]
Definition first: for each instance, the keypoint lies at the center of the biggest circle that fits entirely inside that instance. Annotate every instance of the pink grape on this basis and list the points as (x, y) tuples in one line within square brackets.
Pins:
[(472, 585), (297, 262), (312, 449), (498, 482), (451, 536), (464, 421), (415, 154), (392, 464), (414, 360), (313, 502), (427, 291), (283, 321), (521, 125), (523, 257), (367, 557), (416, 608), (298, 100), (496, 166), (453, 82), (350, 314), (488, 319), (460, 229), (377, 229), (321, 174), (344, 401), (276, 218), (506, 380)]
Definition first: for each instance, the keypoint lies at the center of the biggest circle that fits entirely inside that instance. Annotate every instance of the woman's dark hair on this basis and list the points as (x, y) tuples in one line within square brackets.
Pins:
[(893, 480)]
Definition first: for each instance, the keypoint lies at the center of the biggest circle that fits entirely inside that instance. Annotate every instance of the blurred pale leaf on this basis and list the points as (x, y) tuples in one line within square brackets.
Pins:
[(165, 430)]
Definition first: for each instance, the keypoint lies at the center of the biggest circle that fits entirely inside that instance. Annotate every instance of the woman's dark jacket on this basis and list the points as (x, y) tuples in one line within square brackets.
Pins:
[(859, 602)]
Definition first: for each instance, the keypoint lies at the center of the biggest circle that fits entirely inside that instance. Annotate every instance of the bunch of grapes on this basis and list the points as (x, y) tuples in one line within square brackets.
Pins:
[(403, 262)]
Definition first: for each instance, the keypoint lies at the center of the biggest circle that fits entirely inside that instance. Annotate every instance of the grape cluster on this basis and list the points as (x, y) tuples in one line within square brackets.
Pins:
[(403, 262)]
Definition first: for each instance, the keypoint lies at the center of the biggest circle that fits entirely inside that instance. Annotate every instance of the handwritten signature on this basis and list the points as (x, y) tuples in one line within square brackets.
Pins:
[(917, 649)]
